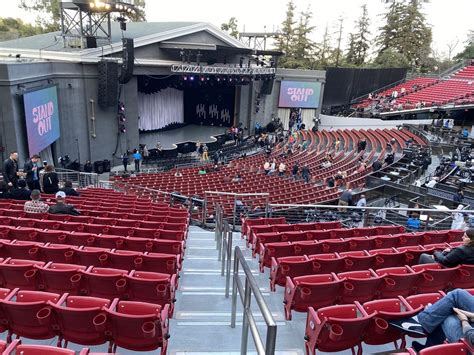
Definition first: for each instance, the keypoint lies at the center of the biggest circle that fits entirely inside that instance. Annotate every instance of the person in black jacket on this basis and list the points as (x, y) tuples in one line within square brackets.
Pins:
[(21, 192), (88, 167), (463, 254), (69, 190), (50, 180), (10, 170), (4, 193), (32, 169), (61, 207)]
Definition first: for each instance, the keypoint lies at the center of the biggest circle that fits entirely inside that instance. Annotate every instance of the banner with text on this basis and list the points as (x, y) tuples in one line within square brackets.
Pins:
[(299, 94), (42, 118)]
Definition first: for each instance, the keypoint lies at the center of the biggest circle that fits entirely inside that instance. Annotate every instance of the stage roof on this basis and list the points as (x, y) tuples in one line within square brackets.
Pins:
[(50, 45)]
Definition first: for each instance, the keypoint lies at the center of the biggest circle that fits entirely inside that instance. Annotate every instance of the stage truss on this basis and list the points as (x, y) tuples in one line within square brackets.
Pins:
[(212, 70)]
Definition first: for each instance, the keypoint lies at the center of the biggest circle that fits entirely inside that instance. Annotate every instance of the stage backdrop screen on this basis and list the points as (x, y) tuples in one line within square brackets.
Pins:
[(42, 118), (302, 94)]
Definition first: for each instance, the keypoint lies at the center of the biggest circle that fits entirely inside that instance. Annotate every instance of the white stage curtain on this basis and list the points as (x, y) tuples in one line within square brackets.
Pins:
[(160, 109)]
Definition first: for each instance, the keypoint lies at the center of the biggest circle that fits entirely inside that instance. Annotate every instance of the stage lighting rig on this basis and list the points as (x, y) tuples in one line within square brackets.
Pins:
[(84, 22)]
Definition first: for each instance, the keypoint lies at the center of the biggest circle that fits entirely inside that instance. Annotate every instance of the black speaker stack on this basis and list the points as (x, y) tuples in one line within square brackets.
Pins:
[(128, 59), (267, 87), (108, 85)]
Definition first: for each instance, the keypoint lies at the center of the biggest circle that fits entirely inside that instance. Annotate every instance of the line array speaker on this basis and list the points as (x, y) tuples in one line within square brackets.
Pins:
[(128, 59), (108, 84), (267, 87)]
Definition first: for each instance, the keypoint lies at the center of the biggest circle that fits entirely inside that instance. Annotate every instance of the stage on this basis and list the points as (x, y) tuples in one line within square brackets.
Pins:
[(188, 134)]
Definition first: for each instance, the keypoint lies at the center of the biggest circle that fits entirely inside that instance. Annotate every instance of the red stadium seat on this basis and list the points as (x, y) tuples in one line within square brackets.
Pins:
[(310, 291), (81, 320), (335, 328), (443, 349), (30, 315), (101, 282), (58, 278), (359, 286), (398, 281), (384, 311), (19, 273), (435, 277), (138, 326)]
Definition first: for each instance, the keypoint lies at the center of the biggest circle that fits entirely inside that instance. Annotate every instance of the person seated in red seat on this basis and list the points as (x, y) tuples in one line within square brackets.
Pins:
[(463, 254), (68, 189), (20, 192), (61, 207), (35, 205), (449, 318)]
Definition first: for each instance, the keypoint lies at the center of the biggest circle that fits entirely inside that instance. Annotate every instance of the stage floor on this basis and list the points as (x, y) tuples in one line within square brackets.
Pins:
[(190, 133)]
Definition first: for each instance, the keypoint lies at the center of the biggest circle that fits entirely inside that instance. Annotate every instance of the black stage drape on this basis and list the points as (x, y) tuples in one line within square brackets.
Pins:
[(208, 105)]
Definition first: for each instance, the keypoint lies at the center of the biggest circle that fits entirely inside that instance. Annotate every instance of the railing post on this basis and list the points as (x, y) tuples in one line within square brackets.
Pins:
[(234, 290), (234, 214), (229, 262), (245, 321)]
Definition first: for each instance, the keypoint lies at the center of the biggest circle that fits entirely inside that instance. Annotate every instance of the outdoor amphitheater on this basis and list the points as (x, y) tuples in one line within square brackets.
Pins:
[(169, 188)]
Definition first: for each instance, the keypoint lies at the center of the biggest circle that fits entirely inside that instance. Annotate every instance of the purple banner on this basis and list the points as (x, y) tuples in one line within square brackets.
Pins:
[(42, 118), (301, 94)]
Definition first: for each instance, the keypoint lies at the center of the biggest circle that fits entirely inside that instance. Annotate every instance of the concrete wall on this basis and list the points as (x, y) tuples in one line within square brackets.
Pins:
[(77, 85), (336, 122)]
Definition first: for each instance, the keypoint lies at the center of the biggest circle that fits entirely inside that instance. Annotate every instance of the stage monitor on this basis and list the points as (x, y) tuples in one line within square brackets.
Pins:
[(301, 94), (42, 118)]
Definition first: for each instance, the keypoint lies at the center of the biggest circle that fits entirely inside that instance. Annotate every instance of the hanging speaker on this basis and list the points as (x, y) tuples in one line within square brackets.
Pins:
[(108, 84), (91, 42), (267, 87), (128, 59)]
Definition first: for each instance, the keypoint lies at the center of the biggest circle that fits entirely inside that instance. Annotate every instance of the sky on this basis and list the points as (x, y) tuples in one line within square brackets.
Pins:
[(450, 19)]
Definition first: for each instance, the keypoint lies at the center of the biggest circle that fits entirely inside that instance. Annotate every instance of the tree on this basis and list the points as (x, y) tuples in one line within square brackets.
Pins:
[(391, 58), (231, 27), (359, 41), (468, 52), (302, 46), (139, 15), (284, 42), (12, 28), (49, 13), (406, 31), (324, 55)]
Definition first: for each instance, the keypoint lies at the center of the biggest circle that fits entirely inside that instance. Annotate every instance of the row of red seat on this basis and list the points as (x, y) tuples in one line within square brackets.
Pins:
[(103, 257), (346, 287), (292, 266), (83, 320), (342, 327), (110, 283), (94, 211), (16, 347), (176, 233), (269, 250), (159, 222)]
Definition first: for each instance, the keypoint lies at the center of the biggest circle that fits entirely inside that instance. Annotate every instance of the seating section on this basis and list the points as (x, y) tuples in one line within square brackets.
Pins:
[(108, 276), (253, 180), (84, 320), (341, 327), (457, 89)]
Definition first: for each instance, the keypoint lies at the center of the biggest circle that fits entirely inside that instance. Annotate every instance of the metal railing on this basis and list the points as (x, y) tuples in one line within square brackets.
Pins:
[(78, 178), (245, 293), (384, 211), (224, 241), (233, 205)]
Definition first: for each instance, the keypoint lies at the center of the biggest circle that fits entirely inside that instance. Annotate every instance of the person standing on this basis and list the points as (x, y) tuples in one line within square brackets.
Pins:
[(205, 152), (137, 157), (10, 170), (146, 153), (125, 161), (88, 167), (32, 169), (305, 174)]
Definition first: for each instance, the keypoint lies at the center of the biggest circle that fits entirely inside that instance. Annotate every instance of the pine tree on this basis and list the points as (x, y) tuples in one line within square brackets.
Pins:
[(285, 41), (49, 13), (468, 51), (303, 47), (406, 32), (359, 41), (324, 54), (231, 27)]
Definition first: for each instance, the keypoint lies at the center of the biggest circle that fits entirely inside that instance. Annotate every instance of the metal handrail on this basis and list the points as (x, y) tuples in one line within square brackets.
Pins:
[(245, 293), (226, 257)]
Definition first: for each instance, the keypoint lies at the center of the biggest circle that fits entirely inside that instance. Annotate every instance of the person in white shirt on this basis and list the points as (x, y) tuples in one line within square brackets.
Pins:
[(281, 169), (362, 203), (432, 183)]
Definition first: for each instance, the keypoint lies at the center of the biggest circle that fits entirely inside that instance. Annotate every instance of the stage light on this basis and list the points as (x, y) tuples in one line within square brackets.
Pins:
[(185, 78), (191, 78), (218, 79), (202, 78), (107, 6), (230, 79), (92, 5)]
